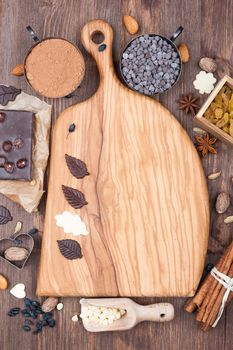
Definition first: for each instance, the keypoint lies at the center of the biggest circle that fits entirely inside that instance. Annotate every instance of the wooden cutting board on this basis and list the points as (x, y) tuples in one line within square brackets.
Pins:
[(148, 208)]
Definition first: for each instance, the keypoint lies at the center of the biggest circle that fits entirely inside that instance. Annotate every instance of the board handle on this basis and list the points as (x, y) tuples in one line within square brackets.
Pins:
[(100, 49)]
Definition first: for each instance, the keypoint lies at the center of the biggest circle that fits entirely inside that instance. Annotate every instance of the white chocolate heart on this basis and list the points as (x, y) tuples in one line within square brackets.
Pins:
[(18, 291)]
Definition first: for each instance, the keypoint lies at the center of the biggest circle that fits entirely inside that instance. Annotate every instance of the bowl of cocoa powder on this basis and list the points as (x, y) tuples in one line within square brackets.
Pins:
[(54, 67)]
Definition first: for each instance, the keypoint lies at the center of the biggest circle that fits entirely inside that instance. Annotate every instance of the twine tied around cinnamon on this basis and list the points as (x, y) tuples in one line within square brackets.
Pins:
[(227, 282)]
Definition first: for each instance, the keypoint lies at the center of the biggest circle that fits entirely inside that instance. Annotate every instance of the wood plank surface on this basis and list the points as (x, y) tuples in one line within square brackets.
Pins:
[(208, 31)]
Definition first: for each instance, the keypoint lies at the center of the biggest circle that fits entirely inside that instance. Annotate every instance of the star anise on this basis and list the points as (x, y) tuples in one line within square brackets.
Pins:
[(189, 103), (205, 144)]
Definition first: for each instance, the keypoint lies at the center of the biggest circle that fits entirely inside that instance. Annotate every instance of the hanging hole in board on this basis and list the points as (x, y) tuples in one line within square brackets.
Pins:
[(97, 37), (162, 315)]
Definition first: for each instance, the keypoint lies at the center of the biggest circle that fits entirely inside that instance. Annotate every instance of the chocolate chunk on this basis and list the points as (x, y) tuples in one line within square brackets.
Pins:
[(9, 167), (2, 161), (21, 163), (7, 146), (2, 117), (16, 141)]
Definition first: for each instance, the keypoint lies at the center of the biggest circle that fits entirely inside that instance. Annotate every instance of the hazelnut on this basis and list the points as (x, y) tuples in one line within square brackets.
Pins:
[(7, 146)]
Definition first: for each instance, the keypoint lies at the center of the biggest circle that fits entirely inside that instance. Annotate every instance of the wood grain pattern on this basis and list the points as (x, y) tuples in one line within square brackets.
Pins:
[(208, 32), (153, 224)]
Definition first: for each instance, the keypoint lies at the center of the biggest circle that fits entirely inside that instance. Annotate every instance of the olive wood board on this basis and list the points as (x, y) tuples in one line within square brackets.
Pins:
[(148, 207)]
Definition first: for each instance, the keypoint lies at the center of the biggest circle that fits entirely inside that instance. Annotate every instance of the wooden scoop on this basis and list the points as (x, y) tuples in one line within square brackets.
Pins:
[(135, 313)]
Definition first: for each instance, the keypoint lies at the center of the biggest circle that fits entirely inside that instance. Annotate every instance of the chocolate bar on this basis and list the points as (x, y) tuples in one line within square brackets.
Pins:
[(15, 145)]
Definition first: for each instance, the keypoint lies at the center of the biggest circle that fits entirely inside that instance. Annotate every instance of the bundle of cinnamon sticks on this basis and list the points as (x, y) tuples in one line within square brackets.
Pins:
[(209, 296)]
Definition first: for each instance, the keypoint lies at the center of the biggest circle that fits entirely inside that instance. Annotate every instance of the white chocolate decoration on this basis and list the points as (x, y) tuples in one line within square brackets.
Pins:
[(71, 223), (18, 291), (100, 315), (204, 82)]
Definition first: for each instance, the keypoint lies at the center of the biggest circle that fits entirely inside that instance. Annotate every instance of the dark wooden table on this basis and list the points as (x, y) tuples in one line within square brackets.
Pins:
[(208, 32)]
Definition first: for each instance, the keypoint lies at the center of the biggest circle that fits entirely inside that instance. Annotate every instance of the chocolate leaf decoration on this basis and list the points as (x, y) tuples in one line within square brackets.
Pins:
[(70, 249), (5, 215), (74, 197), (8, 93), (76, 166)]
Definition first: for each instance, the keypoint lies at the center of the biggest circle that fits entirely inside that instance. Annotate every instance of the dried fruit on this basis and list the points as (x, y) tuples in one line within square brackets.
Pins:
[(74, 197), (222, 202), (131, 24), (214, 176), (184, 52), (220, 111), (3, 282), (9, 167), (49, 304), (205, 144), (228, 219), (208, 64), (21, 163), (16, 254), (189, 103), (18, 70), (102, 47), (7, 146)]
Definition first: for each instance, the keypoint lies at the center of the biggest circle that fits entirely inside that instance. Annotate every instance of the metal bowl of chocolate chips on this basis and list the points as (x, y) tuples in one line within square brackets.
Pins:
[(151, 63)]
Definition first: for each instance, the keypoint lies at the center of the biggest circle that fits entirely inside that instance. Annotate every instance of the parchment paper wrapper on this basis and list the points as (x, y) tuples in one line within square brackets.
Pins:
[(29, 193)]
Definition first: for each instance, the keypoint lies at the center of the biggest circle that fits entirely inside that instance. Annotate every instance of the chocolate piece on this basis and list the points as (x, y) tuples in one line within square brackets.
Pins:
[(5, 215), (9, 167), (16, 135), (21, 163), (18, 143), (7, 146), (76, 166), (8, 93), (2, 117), (2, 161)]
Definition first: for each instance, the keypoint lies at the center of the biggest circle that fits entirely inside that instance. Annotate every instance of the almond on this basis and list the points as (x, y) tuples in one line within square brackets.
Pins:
[(184, 52), (18, 70), (49, 304), (222, 202), (131, 24), (3, 282), (15, 254)]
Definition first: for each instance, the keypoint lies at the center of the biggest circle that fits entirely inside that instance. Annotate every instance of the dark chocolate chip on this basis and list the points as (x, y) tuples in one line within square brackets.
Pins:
[(2, 161), (71, 127), (21, 163), (9, 167), (7, 146), (102, 47), (2, 117), (18, 143)]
